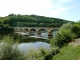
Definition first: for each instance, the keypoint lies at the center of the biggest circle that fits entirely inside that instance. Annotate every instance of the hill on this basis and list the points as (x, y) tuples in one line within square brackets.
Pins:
[(31, 21)]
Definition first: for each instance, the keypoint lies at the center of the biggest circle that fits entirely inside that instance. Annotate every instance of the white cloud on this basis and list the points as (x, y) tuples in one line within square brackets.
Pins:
[(75, 6), (24, 6), (65, 1), (51, 8)]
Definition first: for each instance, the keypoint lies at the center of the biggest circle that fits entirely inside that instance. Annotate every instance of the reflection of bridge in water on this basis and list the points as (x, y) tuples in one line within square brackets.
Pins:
[(38, 30)]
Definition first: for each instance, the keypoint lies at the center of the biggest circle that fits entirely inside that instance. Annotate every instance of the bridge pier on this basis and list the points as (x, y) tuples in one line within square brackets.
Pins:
[(50, 34)]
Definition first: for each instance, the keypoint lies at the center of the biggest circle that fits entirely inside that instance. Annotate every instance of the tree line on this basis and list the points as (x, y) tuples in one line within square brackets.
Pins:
[(13, 20)]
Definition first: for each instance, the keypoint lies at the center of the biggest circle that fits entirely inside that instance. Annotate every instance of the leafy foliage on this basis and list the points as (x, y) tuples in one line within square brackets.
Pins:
[(32, 21), (64, 35), (76, 29), (6, 29), (9, 51), (12, 20)]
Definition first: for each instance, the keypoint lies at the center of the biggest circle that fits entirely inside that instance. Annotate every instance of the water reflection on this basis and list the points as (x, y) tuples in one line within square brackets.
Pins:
[(25, 46)]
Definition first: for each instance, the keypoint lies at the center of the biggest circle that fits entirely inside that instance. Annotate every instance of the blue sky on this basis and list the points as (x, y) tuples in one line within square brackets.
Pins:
[(64, 9)]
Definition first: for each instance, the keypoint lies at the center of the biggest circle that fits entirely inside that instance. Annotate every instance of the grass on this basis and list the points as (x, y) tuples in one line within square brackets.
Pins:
[(68, 53)]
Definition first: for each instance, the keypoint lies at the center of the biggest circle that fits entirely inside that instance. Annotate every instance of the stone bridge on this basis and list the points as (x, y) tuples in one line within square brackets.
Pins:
[(38, 30)]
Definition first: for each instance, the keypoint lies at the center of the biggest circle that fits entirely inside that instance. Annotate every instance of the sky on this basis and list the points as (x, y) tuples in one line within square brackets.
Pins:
[(64, 9)]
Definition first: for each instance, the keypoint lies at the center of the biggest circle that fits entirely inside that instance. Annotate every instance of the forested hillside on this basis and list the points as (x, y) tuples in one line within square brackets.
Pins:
[(14, 20)]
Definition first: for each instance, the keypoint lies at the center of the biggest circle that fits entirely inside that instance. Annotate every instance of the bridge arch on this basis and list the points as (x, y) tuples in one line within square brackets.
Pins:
[(20, 29), (25, 30), (41, 31), (52, 31), (15, 29), (32, 31), (38, 30)]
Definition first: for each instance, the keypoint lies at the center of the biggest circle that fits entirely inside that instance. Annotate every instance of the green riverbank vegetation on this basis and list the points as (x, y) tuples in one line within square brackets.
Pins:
[(68, 52), (9, 46), (9, 51), (9, 42), (67, 33)]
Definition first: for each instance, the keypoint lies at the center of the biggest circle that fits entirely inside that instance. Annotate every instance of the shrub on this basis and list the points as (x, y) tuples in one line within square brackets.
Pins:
[(8, 51), (64, 35), (54, 50), (76, 29), (36, 54)]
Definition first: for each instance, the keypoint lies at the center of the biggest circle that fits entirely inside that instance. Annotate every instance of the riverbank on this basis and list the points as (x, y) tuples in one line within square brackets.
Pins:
[(69, 52)]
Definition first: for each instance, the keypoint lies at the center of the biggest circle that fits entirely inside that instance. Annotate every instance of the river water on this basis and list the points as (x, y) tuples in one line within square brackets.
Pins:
[(32, 47), (31, 50), (27, 48), (36, 45)]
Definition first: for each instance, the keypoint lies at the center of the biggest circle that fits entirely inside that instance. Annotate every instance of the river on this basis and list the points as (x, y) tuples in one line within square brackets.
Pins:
[(32, 47), (36, 45)]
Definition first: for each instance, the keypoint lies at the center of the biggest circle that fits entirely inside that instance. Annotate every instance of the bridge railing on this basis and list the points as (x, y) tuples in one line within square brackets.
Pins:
[(36, 27)]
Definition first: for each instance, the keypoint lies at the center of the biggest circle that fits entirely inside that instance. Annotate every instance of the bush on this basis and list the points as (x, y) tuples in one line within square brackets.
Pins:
[(9, 51), (36, 54), (54, 50), (64, 35), (76, 29)]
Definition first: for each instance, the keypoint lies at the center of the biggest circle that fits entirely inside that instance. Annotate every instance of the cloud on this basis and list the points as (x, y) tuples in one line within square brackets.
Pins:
[(51, 8), (75, 6), (65, 9), (24, 6), (65, 1)]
